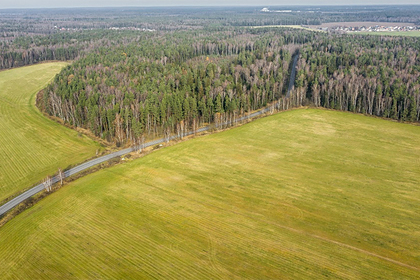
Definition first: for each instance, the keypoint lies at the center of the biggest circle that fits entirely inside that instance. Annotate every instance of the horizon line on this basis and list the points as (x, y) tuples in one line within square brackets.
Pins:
[(205, 6)]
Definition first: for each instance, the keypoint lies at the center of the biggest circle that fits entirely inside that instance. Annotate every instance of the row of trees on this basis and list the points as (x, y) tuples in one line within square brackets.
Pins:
[(27, 50)]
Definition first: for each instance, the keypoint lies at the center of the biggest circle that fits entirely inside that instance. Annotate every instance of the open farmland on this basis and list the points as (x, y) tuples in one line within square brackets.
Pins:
[(360, 24), (31, 145), (286, 26), (304, 194), (391, 33)]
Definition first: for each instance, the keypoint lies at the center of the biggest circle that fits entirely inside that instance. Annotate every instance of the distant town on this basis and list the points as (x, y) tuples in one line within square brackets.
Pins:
[(353, 26), (266, 10), (368, 28)]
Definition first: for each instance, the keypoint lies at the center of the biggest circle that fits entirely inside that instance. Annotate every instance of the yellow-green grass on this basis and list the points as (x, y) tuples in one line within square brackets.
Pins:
[(304, 194), (287, 26), (391, 33), (31, 145)]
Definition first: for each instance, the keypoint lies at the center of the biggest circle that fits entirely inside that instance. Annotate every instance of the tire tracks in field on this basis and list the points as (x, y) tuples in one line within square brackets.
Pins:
[(354, 248), (213, 259), (34, 190), (291, 229), (212, 252)]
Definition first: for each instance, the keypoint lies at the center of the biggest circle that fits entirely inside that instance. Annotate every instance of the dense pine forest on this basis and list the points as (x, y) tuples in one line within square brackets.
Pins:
[(143, 73), (170, 84), (161, 85)]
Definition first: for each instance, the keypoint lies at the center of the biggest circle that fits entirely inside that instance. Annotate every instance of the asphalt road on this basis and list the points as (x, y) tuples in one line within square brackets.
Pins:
[(22, 197)]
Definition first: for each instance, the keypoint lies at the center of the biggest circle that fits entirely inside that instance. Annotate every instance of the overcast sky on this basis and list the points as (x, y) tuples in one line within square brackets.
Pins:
[(108, 3)]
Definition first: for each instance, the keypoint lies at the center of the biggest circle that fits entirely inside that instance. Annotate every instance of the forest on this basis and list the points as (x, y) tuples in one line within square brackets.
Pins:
[(147, 73), (164, 85), (167, 85), (369, 75), (29, 36)]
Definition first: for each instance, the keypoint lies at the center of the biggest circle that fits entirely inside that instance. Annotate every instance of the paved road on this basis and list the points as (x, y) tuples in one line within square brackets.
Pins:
[(22, 197)]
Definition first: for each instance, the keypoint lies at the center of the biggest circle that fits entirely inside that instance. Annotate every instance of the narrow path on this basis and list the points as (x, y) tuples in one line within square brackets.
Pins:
[(292, 75), (39, 188)]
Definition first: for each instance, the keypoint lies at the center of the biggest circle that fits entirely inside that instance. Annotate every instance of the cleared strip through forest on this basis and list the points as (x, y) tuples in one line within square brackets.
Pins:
[(292, 74), (40, 187)]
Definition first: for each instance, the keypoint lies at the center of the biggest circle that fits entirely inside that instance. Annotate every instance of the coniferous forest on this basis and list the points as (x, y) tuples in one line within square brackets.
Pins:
[(163, 85), (154, 75)]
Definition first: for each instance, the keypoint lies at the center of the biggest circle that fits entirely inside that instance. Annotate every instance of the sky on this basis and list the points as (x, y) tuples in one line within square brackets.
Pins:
[(109, 3)]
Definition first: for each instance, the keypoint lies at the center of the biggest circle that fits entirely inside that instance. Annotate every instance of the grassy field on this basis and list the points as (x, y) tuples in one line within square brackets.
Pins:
[(288, 26), (391, 33), (304, 194), (31, 145)]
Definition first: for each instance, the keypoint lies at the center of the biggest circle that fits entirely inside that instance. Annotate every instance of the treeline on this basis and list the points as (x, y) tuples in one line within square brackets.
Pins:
[(169, 84), (365, 74), (172, 84), (38, 54), (29, 50)]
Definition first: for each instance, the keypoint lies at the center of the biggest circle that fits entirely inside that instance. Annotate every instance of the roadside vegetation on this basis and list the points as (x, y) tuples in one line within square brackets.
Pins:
[(31, 145), (303, 194)]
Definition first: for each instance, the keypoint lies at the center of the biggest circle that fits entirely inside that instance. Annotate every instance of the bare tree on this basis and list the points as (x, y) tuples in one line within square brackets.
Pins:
[(61, 176), (48, 184)]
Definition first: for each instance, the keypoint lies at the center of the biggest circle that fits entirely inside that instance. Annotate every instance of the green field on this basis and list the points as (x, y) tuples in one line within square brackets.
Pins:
[(391, 33), (304, 194), (287, 26), (31, 145)]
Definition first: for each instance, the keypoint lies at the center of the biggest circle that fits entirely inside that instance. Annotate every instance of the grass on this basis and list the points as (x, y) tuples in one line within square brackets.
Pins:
[(287, 26), (31, 145), (304, 194), (391, 33)]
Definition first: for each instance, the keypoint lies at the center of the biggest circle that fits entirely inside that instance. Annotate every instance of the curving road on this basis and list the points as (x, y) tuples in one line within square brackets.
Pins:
[(22, 197)]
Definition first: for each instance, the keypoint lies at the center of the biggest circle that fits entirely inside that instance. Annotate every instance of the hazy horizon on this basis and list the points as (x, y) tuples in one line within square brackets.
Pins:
[(19, 4)]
